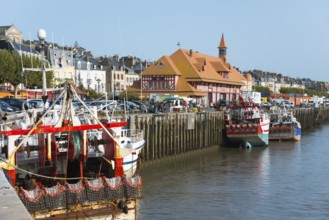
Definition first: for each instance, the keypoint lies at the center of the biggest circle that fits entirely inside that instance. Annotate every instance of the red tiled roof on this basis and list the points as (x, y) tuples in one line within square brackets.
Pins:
[(200, 67), (163, 66)]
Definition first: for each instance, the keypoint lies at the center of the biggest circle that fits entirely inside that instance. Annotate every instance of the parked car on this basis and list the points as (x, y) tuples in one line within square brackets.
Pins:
[(4, 106), (265, 104), (221, 104), (102, 104), (129, 106), (36, 103), (18, 103), (145, 106), (287, 104)]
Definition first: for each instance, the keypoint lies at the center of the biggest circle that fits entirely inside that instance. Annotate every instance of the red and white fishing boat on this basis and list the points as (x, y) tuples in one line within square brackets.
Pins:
[(74, 157), (246, 124)]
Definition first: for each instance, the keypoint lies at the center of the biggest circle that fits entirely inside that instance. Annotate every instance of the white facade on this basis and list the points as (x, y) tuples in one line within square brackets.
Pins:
[(130, 78), (92, 79)]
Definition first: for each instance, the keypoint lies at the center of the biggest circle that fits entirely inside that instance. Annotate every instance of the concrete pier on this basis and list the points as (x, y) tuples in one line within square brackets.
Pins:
[(11, 206)]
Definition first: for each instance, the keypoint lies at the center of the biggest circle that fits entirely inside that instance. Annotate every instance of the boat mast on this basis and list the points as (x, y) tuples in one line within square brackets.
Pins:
[(42, 36)]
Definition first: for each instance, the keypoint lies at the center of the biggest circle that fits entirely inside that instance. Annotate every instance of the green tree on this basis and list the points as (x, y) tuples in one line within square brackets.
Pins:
[(261, 89), (7, 66), (17, 77), (92, 94), (11, 70), (129, 96), (34, 78)]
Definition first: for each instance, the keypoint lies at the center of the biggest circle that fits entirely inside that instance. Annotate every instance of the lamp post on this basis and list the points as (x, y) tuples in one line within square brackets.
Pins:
[(77, 75), (98, 82), (141, 80), (42, 36), (113, 82)]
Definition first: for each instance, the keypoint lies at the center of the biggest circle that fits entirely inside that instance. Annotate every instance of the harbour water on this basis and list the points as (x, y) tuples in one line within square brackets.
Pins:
[(286, 180)]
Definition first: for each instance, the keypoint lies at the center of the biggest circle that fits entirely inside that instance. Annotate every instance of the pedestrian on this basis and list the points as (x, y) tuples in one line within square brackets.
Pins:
[(185, 106), (167, 107)]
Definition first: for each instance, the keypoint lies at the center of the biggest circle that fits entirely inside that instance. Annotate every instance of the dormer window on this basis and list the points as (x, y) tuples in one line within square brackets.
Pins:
[(159, 64)]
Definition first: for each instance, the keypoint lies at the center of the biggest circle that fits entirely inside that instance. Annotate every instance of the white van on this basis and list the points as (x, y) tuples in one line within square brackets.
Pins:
[(177, 103)]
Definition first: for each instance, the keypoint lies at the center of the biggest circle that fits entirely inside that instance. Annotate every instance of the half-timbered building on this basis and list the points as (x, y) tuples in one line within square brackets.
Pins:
[(191, 74)]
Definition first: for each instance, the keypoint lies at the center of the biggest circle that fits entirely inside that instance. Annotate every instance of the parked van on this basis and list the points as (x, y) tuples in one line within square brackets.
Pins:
[(177, 103)]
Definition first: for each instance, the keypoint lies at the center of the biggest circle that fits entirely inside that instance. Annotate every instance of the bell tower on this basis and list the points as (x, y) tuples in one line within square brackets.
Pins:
[(222, 48)]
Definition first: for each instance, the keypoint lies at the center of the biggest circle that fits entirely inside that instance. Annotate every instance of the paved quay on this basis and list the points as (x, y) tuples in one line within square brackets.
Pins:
[(11, 206)]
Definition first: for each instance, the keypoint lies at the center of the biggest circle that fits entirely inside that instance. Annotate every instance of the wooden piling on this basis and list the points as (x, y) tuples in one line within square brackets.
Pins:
[(172, 134)]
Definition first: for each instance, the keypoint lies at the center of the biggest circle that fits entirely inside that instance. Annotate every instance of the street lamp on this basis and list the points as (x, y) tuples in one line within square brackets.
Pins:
[(98, 81), (42, 36), (113, 82), (79, 74), (141, 80)]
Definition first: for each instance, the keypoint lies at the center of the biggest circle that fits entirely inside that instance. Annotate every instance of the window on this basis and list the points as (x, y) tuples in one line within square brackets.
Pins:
[(159, 64)]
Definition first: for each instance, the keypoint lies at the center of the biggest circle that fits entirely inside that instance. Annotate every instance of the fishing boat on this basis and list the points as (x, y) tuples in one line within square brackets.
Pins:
[(69, 166), (284, 126), (246, 124)]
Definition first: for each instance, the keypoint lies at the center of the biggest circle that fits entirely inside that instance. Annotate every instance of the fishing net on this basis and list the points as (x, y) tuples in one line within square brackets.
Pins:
[(75, 193), (55, 197), (32, 199), (133, 187), (95, 190), (114, 188)]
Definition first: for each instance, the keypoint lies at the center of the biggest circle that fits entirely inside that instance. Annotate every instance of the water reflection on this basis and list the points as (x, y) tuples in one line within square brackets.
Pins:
[(287, 180)]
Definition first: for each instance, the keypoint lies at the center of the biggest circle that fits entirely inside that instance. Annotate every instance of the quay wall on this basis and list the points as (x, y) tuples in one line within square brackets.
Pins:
[(173, 134), (311, 117), (11, 207), (176, 133)]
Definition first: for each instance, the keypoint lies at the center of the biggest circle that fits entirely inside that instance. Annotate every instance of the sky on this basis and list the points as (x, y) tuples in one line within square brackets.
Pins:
[(290, 37)]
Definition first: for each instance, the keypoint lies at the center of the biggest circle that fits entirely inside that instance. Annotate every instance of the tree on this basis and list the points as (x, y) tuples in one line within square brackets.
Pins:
[(129, 96), (92, 94), (17, 76), (11, 70), (7, 66), (261, 89), (34, 78)]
